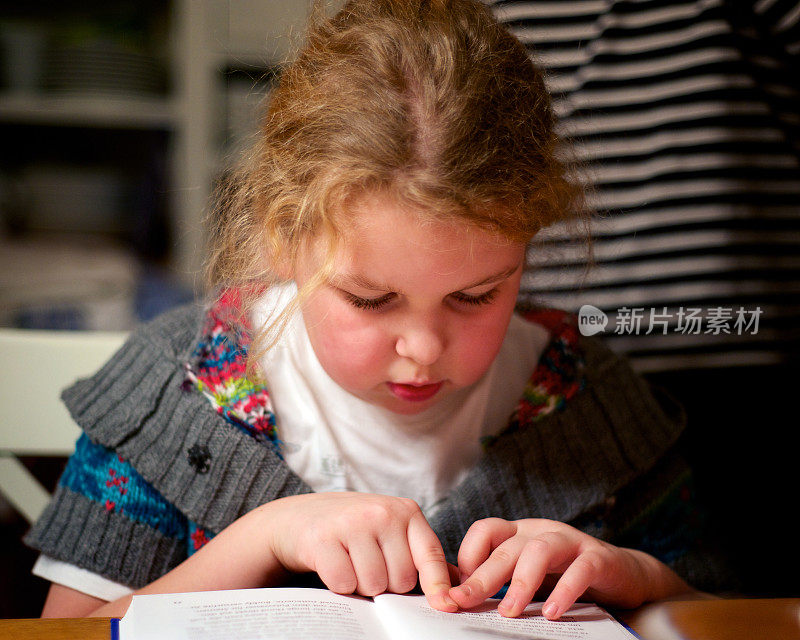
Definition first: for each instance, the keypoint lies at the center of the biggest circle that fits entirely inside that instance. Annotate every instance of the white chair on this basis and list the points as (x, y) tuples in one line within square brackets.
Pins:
[(34, 367)]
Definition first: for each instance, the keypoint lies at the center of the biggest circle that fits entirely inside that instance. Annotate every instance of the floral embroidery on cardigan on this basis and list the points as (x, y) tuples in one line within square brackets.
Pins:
[(218, 371), (557, 377)]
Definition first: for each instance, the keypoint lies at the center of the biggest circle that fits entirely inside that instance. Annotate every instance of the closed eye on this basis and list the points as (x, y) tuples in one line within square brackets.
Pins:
[(375, 304), (371, 304), (465, 298)]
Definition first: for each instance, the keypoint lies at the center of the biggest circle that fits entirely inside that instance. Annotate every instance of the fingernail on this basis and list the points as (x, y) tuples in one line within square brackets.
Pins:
[(507, 604), (445, 602), (464, 590), (550, 610)]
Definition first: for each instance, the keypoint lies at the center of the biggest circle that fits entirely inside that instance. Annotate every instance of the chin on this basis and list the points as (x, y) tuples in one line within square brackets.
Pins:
[(409, 408)]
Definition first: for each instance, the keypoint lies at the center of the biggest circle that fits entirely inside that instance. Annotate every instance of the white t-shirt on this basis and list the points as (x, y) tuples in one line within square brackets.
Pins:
[(337, 442)]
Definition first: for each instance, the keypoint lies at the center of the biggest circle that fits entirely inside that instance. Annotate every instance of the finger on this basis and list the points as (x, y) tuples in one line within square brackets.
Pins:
[(489, 577), (455, 575), (402, 573), (583, 571), (428, 556), (547, 551), (335, 569), (370, 566), (479, 541), (527, 578)]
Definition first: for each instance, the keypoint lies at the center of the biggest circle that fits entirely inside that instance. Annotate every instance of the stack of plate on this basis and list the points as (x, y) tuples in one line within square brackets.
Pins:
[(102, 68), (67, 283)]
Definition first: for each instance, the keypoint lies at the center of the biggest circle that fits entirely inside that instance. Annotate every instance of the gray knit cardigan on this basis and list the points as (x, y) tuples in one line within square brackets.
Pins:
[(605, 463)]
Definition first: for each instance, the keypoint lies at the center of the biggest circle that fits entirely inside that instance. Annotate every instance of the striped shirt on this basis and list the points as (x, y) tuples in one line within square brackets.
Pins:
[(683, 117)]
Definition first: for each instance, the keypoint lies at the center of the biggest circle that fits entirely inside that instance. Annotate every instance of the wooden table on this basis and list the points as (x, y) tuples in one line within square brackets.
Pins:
[(61, 629), (725, 619), (734, 619)]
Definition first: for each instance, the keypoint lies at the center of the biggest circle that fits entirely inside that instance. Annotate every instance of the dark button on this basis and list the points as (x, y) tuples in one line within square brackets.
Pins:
[(200, 458)]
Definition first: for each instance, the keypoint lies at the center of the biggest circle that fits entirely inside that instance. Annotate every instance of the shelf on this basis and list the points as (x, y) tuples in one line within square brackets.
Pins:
[(97, 111), (201, 42)]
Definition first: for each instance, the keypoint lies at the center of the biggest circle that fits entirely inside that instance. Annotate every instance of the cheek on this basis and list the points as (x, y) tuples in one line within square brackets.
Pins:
[(335, 330), (476, 351), (479, 342)]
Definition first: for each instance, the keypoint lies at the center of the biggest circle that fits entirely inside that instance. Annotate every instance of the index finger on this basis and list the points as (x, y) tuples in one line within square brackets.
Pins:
[(428, 557)]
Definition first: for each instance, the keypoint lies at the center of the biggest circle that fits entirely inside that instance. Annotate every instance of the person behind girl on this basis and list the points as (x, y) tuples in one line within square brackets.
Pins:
[(361, 402)]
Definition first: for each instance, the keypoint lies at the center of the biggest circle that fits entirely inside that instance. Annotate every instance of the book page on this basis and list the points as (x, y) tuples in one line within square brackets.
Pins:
[(250, 614), (411, 617)]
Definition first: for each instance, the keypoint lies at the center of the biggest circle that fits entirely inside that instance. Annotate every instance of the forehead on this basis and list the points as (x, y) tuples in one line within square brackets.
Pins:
[(381, 237), (381, 219)]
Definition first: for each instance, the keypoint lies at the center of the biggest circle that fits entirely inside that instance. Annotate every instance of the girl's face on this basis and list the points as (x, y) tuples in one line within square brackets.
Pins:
[(414, 310)]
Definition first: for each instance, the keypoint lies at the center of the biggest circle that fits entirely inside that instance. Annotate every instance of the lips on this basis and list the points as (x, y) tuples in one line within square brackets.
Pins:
[(414, 392)]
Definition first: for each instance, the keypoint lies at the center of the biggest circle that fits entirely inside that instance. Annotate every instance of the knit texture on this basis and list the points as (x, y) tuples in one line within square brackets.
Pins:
[(586, 429), (218, 371)]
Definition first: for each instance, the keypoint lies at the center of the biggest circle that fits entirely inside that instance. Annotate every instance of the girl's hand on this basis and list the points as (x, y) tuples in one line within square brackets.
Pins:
[(526, 552), (360, 543)]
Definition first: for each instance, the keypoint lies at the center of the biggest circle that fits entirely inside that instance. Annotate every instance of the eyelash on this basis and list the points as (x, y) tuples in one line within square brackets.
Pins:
[(366, 303), (374, 304), (484, 298)]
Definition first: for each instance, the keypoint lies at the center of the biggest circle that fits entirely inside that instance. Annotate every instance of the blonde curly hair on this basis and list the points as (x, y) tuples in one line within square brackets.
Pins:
[(430, 102)]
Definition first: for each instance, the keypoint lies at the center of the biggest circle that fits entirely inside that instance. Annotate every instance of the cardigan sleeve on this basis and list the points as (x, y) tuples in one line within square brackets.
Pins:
[(105, 518), (659, 513), (159, 469), (104, 515)]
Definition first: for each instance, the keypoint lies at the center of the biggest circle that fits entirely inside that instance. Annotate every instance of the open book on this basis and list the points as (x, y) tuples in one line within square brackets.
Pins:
[(302, 614)]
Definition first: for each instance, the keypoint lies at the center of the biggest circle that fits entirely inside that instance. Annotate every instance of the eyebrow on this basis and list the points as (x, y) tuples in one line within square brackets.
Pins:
[(497, 277), (363, 282)]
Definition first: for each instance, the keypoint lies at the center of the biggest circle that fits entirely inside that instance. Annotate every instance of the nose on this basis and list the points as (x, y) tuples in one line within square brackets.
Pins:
[(422, 341)]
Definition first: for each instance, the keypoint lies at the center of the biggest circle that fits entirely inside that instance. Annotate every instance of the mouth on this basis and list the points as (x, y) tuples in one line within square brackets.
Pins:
[(414, 392)]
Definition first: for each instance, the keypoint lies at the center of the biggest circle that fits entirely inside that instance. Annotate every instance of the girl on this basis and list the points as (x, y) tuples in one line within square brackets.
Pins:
[(360, 402)]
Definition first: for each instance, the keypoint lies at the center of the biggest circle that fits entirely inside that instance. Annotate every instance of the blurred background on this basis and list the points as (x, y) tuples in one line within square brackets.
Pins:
[(117, 118)]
